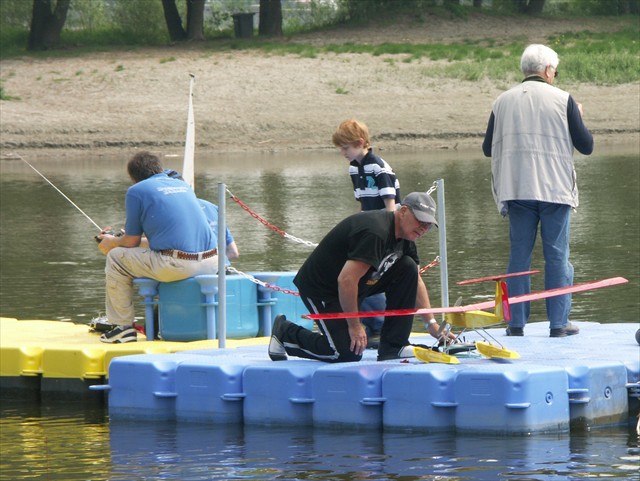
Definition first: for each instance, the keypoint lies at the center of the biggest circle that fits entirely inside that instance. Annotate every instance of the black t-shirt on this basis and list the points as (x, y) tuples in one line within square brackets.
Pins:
[(368, 237)]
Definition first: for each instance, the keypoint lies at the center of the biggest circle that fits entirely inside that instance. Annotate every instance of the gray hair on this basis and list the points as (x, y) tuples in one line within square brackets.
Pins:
[(536, 58)]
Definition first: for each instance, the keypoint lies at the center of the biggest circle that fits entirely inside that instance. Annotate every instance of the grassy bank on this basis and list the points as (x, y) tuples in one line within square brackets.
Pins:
[(598, 58)]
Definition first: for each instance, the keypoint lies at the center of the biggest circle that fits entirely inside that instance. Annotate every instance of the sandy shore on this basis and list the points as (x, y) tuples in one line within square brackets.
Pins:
[(253, 101)]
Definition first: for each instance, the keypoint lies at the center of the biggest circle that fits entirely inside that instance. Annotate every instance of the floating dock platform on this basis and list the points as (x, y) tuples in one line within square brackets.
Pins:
[(557, 385), (51, 360)]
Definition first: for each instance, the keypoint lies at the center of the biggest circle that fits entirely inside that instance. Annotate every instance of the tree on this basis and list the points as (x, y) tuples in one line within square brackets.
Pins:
[(270, 19), (47, 21), (15, 13), (530, 7), (195, 20), (173, 21)]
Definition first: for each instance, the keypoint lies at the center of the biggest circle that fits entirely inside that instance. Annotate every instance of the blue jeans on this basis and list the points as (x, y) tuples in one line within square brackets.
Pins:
[(376, 302), (554, 220)]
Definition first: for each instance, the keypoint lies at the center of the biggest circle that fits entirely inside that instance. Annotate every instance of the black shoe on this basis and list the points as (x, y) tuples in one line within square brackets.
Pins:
[(515, 331), (568, 330), (277, 351), (373, 340), (120, 334)]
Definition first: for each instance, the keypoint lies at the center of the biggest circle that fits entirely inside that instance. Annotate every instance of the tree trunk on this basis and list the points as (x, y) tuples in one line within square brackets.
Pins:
[(270, 19), (173, 21), (529, 7), (46, 24), (477, 3), (195, 19), (535, 7), (628, 7)]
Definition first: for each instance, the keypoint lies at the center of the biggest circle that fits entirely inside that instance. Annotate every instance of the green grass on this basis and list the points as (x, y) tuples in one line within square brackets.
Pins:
[(5, 96), (585, 57), (599, 58)]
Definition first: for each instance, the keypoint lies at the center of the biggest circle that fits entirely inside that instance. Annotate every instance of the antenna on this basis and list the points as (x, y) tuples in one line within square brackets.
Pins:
[(61, 193)]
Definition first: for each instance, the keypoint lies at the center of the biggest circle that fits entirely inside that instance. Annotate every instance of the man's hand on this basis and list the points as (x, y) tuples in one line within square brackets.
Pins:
[(107, 242), (348, 280), (434, 330), (422, 301), (358, 336)]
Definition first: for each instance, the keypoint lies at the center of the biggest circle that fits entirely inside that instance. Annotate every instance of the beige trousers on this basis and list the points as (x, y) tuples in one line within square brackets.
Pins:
[(125, 264)]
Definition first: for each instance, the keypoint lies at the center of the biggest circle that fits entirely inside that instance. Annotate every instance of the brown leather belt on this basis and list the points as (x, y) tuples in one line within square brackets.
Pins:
[(189, 256)]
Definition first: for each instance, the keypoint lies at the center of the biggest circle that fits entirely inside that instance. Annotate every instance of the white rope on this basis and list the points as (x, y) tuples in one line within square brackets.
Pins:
[(300, 241)]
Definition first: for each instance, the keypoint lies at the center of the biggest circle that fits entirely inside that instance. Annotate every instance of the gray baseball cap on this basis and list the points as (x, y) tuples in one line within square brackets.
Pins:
[(422, 206)]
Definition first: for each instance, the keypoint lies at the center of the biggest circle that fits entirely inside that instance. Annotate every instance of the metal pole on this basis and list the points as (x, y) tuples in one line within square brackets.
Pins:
[(222, 286), (442, 233)]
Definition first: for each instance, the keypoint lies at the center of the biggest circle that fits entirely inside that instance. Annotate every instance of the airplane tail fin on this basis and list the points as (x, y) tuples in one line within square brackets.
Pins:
[(502, 309)]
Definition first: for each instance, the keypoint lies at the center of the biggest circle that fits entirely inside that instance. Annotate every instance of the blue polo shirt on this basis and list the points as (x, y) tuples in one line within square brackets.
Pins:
[(167, 212)]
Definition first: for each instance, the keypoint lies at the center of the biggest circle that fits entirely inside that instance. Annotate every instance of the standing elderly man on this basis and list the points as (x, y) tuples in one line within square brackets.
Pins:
[(178, 242), (366, 253), (532, 132)]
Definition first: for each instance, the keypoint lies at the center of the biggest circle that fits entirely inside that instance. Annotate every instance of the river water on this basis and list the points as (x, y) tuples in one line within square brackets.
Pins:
[(52, 269)]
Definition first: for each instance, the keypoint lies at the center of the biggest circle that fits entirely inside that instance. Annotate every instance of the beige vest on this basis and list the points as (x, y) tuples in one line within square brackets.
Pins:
[(532, 151)]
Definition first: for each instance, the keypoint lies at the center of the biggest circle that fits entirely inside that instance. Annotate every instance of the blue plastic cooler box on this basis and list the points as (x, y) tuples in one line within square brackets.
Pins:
[(183, 310)]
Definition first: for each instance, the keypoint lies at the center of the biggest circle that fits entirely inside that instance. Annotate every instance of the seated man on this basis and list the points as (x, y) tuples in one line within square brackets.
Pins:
[(179, 242), (366, 253), (211, 211)]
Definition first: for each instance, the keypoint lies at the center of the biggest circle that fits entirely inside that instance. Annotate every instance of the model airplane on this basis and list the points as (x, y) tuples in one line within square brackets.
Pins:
[(475, 317)]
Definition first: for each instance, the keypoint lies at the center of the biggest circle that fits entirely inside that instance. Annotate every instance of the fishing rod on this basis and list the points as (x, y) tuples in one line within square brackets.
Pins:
[(61, 193)]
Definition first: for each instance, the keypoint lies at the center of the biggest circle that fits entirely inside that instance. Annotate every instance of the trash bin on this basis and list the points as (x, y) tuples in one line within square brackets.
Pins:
[(243, 24)]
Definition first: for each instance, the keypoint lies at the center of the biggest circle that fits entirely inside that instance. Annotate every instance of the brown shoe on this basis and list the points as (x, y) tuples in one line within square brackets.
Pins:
[(568, 330)]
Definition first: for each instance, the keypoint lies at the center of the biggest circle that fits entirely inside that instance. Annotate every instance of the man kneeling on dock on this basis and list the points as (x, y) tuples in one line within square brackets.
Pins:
[(365, 254)]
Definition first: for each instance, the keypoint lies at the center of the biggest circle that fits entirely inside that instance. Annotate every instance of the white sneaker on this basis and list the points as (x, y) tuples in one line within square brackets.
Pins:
[(405, 352), (120, 334)]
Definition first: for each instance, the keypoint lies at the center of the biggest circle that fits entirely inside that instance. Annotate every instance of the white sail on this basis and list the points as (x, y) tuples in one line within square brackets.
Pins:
[(188, 167)]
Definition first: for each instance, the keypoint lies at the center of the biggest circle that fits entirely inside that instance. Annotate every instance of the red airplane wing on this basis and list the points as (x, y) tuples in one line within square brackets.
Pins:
[(613, 281), (496, 278), (560, 291)]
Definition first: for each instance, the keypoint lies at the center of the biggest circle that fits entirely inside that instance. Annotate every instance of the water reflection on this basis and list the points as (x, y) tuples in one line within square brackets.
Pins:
[(51, 268), (52, 441), (63, 442)]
